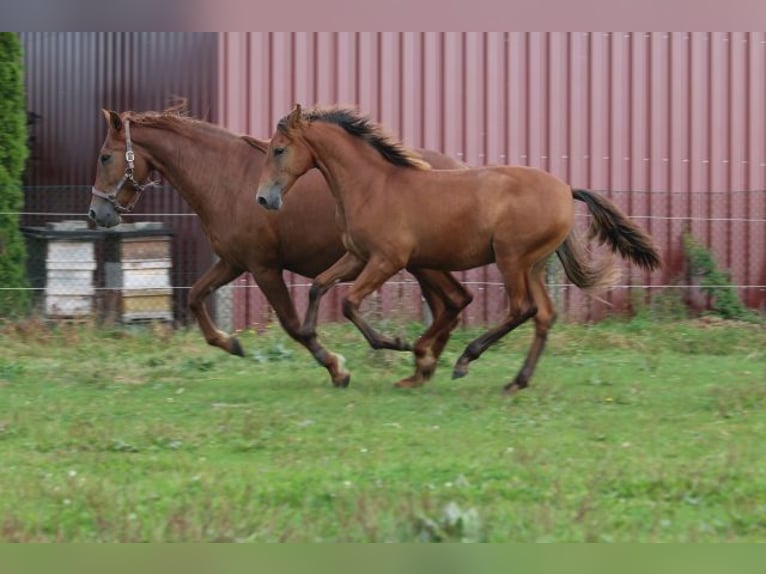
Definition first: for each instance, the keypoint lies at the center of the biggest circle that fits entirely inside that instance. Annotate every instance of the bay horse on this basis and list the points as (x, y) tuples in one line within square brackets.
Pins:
[(212, 169), (397, 212)]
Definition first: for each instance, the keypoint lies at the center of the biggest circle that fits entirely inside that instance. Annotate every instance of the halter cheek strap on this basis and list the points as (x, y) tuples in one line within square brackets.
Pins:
[(128, 176)]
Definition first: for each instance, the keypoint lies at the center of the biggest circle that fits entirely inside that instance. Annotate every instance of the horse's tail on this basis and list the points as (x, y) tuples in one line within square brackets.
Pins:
[(586, 274), (610, 226)]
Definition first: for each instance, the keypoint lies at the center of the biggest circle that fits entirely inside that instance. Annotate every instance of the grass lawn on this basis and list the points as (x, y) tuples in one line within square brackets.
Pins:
[(630, 431)]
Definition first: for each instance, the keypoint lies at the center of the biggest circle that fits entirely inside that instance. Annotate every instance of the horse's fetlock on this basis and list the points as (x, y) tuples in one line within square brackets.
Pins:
[(472, 351), (305, 335)]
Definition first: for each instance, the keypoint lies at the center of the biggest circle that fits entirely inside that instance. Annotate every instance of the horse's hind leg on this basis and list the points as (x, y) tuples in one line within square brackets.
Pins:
[(457, 298), (520, 309), (273, 286), (219, 274), (446, 298), (544, 319)]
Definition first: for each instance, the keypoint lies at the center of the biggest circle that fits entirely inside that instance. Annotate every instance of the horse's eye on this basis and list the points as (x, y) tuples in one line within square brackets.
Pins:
[(279, 151), (105, 158)]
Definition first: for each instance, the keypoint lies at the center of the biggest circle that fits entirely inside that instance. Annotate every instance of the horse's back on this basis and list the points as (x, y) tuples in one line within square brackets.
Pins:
[(440, 161), (456, 218), (535, 212), (495, 186), (526, 190)]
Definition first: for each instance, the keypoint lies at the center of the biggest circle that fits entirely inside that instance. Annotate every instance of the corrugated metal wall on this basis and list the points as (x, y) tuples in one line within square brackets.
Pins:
[(670, 126), (69, 78)]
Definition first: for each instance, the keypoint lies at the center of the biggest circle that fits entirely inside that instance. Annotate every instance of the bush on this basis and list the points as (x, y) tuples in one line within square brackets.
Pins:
[(715, 282), (13, 153)]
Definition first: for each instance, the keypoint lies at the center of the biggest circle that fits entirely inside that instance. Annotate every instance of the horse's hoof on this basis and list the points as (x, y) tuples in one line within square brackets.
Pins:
[(235, 348), (408, 383), (459, 372), (338, 373), (512, 388), (342, 382)]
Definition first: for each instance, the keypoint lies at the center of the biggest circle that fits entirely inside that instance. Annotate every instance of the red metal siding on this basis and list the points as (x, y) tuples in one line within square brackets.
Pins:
[(670, 126)]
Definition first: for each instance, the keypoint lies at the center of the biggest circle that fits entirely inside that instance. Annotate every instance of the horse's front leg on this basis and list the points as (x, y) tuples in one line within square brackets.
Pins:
[(273, 286), (344, 269), (219, 274), (376, 272)]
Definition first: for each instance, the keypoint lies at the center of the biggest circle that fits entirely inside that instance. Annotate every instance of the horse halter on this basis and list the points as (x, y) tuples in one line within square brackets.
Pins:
[(126, 177)]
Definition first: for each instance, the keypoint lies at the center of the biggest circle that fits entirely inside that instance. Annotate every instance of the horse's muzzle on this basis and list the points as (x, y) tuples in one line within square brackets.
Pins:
[(269, 196), (103, 213)]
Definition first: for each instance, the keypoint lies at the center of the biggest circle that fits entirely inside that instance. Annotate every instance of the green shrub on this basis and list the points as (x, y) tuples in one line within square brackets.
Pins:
[(13, 153), (715, 282)]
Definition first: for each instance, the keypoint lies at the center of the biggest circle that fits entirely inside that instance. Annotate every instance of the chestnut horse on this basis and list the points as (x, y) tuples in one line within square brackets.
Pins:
[(397, 213), (212, 169)]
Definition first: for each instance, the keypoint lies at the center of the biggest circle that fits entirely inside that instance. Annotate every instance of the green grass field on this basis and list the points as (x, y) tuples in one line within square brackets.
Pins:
[(634, 431)]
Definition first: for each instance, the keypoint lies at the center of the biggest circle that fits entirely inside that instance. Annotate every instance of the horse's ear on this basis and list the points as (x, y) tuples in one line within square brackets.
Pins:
[(296, 116), (113, 119)]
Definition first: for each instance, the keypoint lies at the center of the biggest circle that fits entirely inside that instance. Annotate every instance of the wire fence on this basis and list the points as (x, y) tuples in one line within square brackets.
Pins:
[(143, 270)]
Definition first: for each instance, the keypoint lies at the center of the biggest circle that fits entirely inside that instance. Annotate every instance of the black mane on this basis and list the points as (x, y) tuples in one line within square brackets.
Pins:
[(364, 128)]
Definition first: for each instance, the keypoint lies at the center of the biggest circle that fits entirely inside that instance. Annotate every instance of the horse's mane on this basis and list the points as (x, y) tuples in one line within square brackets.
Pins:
[(173, 115), (260, 145), (176, 118), (366, 129)]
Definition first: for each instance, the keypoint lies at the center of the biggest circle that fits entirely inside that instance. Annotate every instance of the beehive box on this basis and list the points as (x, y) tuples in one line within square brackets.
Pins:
[(145, 264), (69, 279), (62, 264)]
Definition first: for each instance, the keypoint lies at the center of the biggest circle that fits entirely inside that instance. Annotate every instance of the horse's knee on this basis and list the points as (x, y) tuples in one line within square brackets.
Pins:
[(465, 300), (460, 301), (544, 322), (521, 311), (195, 302), (527, 311), (315, 291)]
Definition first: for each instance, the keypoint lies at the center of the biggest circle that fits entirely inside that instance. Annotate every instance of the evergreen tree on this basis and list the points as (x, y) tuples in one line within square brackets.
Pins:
[(13, 153)]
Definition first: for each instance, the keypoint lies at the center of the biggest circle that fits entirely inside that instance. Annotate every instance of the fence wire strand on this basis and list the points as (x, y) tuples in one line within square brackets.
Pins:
[(243, 293)]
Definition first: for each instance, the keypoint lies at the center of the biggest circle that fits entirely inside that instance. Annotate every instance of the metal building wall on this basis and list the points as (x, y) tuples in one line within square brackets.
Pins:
[(70, 76), (669, 125)]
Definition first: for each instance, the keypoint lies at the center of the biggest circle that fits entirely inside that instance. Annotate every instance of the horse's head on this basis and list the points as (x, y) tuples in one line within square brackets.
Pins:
[(287, 158), (118, 172)]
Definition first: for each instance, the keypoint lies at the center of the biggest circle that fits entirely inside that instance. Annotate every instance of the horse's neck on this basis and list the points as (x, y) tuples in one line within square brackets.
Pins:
[(348, 167), (198, 168)]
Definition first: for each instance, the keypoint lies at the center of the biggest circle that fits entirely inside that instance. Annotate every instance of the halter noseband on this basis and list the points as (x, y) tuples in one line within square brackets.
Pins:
[(126, 177)]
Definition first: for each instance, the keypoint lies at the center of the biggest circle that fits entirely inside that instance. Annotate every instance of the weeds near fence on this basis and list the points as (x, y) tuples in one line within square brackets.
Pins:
[(714, 281)]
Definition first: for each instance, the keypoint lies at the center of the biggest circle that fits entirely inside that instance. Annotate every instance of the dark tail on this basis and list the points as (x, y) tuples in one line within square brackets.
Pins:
[(612, 227)]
